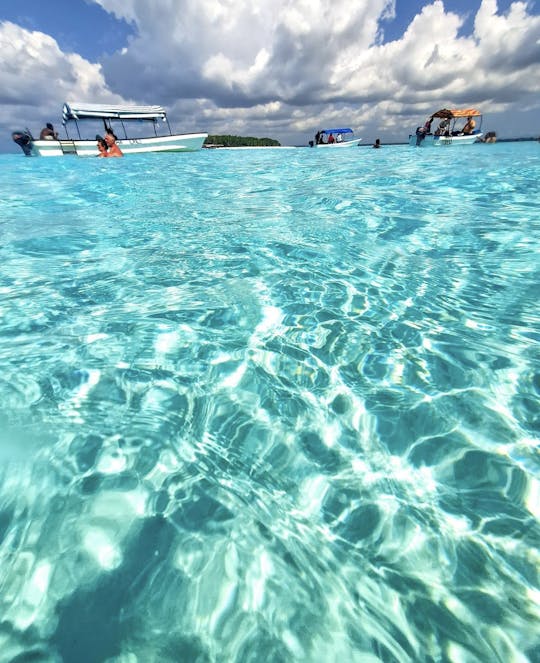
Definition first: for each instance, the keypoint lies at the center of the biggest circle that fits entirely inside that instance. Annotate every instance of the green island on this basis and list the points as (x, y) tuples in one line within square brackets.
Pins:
[(239, 141)]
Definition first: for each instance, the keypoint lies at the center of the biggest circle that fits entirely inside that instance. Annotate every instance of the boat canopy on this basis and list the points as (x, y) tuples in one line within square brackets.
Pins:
[(454, 112), (337, 131), (78, 111)]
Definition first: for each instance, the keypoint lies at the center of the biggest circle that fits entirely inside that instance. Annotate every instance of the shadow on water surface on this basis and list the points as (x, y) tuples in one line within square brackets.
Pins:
[(94, 621)]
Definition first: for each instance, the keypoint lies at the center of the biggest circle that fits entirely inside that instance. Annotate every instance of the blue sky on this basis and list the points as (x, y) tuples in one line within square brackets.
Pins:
[(274, 67), (78, 26), (86, 28), (406, 10)]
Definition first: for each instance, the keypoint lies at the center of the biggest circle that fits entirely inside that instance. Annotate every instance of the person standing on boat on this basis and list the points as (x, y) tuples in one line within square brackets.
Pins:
[(422, 132), (331, 139), (114, 150), (339, 138), (48, 133)]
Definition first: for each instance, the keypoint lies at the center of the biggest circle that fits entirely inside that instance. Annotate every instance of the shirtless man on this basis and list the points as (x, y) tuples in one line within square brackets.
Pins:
[(48, 133), (114, 150), (469, 127)]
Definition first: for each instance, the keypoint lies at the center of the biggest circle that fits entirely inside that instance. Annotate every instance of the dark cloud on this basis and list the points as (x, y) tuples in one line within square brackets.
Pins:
[(281, 66)]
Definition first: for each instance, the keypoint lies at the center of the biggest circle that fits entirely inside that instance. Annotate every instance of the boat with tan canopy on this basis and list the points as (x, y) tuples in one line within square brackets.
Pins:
[(454, 127)]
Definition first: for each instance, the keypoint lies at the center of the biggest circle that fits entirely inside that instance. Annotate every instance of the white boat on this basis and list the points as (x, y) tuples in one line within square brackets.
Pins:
[(117, 119), (335, 139), (446, 133)]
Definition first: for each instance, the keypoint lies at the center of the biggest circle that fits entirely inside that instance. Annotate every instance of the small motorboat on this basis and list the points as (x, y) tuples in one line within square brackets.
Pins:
[(114, 118), (335, 138), (446, 133)]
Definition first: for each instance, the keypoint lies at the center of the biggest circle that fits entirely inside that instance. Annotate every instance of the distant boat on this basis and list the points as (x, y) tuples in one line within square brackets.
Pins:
[(121, 116), (446, 133), (336, 138)]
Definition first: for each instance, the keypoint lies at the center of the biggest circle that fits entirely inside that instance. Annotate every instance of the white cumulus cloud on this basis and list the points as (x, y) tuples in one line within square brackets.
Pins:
[(286, 67), (36, 77), (319, 60)]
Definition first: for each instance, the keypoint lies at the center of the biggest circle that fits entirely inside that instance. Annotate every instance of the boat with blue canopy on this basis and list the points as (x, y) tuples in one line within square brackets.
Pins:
[(340, 137)]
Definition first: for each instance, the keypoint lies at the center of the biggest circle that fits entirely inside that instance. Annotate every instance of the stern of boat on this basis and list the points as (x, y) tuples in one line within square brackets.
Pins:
[(42, 148)]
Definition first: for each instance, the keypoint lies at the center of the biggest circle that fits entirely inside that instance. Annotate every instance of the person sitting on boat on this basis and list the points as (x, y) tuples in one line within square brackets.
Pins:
[(469, 127), (339, 138), (377, 143), (331, 139), (48, 133), (443, 126), (114, 150)]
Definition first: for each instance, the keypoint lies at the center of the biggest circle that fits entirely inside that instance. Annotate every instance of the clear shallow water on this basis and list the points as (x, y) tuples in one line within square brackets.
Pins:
[(271, 406)]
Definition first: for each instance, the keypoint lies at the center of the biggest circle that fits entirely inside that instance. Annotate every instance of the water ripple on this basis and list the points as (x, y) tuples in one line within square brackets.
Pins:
[(272, 405)]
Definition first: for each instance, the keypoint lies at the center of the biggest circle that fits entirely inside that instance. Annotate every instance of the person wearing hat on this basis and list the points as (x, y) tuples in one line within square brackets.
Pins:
[(48, 133), (443, 127)]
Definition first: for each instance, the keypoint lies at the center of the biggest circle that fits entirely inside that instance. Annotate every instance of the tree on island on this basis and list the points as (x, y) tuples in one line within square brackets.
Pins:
[(239, 141)]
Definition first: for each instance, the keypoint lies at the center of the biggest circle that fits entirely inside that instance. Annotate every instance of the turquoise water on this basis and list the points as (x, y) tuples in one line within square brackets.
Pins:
[(272, 406)]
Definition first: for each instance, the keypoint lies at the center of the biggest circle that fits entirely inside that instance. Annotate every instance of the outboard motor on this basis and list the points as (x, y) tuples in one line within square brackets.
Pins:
[(24, 140)]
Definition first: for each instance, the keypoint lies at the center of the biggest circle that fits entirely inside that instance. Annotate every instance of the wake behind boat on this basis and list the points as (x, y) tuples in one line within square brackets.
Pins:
[(115, 118), (447, 133), (334, 138)]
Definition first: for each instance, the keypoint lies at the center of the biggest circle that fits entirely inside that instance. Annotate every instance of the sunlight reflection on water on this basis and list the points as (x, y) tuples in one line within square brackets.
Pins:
[(273, 405)]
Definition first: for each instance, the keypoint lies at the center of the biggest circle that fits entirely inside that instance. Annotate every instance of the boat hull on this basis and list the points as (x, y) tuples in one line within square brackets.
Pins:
[(333, 146), (443, 141), (88, 148)]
